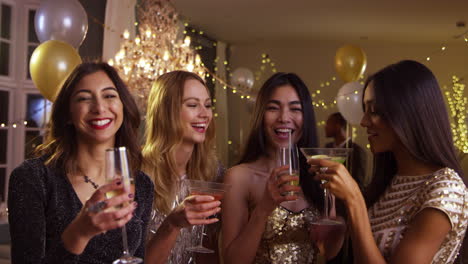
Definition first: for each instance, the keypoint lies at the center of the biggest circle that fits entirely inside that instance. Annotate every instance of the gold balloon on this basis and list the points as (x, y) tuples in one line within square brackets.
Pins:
[(350, 62), (50, 65)]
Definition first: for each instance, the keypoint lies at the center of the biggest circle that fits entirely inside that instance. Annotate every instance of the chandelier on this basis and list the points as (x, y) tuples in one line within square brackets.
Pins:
[(155, 50)]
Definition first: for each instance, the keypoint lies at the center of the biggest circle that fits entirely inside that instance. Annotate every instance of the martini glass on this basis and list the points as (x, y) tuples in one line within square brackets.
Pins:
[(325, 223), (215, 189)]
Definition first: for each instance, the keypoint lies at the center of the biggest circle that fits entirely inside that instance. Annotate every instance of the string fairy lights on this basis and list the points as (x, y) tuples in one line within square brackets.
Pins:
[(458, 106)]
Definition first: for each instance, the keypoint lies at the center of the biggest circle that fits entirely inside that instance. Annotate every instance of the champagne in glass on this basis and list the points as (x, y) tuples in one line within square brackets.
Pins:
[(217, 190), (290, 156), (117, 167)]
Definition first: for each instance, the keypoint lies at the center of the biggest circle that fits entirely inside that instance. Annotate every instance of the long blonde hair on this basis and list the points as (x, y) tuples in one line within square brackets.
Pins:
[(164, 132)]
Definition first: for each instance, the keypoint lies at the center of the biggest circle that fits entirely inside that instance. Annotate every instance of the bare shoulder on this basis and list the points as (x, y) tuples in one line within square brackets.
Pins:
[(239, 173)]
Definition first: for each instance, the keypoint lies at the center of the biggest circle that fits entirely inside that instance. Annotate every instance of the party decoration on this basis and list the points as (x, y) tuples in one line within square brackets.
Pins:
[(349, 101), (50, 65), (458, 105), (350, 63), (155, 51), (63, 20), (242, 78)]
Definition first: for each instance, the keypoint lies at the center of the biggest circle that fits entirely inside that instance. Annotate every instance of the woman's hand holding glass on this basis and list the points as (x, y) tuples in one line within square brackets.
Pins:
[(195, 210), (95, 214), (278, 189), (95, 218), (338, 180)]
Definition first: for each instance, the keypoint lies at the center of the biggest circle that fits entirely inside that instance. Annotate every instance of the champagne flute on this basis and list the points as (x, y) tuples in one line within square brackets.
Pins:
[(290, 156), (117, 167), (217, 190)]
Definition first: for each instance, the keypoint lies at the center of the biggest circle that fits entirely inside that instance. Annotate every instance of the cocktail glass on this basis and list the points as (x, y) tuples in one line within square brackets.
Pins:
[(217, 190)]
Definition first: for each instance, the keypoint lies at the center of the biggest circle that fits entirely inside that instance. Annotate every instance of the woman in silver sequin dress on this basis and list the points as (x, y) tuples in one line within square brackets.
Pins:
[(257, 226), (418, 203), (179, 145)]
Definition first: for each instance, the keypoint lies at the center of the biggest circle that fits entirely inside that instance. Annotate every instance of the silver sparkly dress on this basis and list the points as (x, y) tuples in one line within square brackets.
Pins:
[(189, 236), (443, 190)]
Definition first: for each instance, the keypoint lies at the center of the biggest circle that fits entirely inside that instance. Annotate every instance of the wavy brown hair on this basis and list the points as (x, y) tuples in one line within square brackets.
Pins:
[(164, 132), (60, 146)]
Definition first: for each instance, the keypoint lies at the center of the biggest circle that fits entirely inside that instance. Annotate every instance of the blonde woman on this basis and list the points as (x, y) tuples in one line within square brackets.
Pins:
[(179, 145)]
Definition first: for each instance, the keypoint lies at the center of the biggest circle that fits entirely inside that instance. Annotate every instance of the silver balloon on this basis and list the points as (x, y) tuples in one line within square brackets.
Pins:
[(243, 78), (349, 101), (63, 20)]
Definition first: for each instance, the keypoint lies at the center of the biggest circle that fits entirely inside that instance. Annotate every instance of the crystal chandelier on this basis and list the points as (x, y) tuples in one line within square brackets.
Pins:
[(155, 50)]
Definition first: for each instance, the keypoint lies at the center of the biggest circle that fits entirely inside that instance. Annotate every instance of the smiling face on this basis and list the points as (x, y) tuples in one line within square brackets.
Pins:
[(381, 135), (196, 112), (283, 115), (96, 110)]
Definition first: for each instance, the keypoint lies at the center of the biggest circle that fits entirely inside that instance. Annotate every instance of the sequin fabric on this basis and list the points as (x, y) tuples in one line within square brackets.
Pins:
[(406, 196), (190, 236), (286, 238), (186, 238)]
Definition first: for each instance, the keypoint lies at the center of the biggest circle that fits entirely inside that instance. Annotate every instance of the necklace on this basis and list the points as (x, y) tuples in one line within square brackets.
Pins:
[(88, 180)]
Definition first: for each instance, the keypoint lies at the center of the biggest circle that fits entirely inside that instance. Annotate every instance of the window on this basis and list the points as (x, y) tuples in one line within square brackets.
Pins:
[(33, 41), (37, 116), (4, 106), (5, 39)]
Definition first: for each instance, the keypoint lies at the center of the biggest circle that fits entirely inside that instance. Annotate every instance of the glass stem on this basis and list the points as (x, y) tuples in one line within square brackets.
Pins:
[(326, 197), (126, 252), (202, 235)]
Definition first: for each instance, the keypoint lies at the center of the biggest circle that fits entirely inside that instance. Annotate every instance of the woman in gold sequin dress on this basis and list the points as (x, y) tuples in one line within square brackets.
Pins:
[(257, 226), (418, 201)]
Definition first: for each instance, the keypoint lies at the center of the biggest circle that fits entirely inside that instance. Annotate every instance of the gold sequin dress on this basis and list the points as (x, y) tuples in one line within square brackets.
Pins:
[(286, 238), (406, 196)]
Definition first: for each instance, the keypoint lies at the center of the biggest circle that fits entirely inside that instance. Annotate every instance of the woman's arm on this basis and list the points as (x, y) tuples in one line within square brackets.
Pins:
[(423, 237), (26, 215), (241, 233), (193, 211)]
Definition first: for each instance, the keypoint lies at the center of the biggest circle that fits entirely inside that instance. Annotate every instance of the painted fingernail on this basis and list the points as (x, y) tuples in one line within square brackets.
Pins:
[(130, 195), (135, 204)]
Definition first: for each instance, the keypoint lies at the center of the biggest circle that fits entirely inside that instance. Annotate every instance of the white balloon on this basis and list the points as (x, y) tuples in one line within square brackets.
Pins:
[(349, 101), (63, 20), (242, 78)]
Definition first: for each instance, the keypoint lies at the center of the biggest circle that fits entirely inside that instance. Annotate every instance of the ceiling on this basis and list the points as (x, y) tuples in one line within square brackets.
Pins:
[(249, 21)]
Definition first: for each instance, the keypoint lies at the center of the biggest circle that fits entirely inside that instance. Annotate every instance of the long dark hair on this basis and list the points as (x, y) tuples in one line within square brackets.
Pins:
[(60, 144), (256, 142), (408, 97)]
